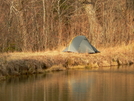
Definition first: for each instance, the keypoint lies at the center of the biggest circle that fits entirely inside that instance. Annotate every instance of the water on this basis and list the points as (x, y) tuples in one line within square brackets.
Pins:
[(116, 84)]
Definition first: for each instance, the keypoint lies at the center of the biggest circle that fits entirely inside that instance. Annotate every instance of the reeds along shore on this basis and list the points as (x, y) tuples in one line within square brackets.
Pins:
[(15, 64)]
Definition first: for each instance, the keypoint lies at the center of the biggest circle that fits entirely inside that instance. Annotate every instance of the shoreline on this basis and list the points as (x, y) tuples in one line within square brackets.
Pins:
[(26, 63)]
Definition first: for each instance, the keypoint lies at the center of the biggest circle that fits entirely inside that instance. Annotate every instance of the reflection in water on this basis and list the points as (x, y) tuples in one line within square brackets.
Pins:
[(74, 85)]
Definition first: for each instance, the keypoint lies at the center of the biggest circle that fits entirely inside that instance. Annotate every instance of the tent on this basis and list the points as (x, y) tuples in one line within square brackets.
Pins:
[(80, 44)]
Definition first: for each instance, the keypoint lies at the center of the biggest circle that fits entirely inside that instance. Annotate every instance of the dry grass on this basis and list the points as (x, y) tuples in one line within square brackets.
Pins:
[(126, 49), (36, 62), (123, 49)]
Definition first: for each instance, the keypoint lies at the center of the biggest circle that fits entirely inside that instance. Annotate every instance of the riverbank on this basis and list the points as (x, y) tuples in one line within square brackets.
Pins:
[(15, 64)]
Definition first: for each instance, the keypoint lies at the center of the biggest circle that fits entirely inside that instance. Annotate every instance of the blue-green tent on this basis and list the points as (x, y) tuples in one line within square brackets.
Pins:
[(80, 44)]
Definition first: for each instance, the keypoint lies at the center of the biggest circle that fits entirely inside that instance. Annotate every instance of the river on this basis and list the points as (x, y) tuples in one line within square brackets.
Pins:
[(105, 84)]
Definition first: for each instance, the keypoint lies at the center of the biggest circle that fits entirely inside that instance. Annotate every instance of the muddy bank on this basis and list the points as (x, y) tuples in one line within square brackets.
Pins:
[(15, 64)]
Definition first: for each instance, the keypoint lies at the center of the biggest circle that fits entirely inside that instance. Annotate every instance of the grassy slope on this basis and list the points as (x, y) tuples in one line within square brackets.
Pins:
[(29, 63)]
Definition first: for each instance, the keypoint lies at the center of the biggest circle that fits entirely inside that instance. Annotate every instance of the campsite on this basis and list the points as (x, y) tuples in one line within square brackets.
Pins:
[(52, 75), (15, 64), (66, 50)]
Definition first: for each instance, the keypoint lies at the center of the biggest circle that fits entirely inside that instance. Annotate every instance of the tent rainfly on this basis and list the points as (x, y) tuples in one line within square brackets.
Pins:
[(80, 44)]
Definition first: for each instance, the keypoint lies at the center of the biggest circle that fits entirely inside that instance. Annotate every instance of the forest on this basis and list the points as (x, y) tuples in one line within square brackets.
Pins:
[(39, 25)]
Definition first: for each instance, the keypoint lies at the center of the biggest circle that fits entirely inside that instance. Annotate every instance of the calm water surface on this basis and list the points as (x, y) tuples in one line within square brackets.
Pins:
[(115, 84)]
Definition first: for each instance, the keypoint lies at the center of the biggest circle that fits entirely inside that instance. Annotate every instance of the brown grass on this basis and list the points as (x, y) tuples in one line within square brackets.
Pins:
[(19, 63), (123, 49)]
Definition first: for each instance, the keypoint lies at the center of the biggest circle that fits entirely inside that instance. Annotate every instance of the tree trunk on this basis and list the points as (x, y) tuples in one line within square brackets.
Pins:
[(95, 27)]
